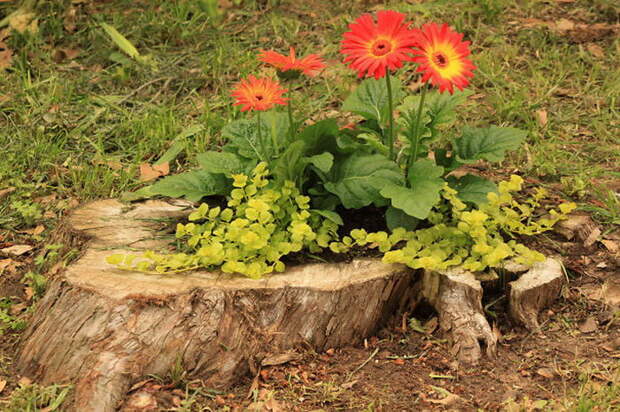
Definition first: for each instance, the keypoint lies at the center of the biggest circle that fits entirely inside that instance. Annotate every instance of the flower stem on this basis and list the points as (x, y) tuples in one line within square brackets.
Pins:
[(416, 131), (260, 136), (290, 114), (390, 140)]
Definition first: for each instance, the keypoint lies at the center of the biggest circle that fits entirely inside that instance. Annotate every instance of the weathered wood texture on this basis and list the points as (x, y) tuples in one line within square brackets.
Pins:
[(535, 290), (456, 295), (101, 328)]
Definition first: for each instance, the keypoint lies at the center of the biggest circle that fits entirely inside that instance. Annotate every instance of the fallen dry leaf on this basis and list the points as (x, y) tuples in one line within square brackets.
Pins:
[(70, 19), (16, 250), (612, 245), (595, 50), (17, 308), (542, 117), (589, 325), (611, 292), (63, 54), (24, 381), (29, 292), (148, 172), (23, 22), (6, 56), (6, 191), (564, 25), (2, 385), (141, 401), (4, 263), (546, 373), (34, 231)]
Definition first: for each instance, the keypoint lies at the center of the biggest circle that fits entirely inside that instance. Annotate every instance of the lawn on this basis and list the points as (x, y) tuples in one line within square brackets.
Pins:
[(80, 119)]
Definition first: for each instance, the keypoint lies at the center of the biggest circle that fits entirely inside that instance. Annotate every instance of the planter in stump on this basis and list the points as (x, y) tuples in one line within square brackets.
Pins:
[(102, 328)]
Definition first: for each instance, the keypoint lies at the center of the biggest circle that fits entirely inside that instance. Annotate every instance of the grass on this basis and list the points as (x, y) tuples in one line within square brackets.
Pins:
[(66, 122), (78, 128)]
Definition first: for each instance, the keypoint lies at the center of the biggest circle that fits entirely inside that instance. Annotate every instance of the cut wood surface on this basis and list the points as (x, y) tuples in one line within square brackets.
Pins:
[(535, 290), (102, 328)]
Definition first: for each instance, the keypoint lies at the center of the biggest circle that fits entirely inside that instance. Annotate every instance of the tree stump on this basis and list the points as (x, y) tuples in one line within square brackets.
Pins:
[(534, 291), (102, 328), (456, 295)]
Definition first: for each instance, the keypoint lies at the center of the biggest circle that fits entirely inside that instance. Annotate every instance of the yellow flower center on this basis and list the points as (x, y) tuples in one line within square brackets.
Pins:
[(445, 60), (381, 47)]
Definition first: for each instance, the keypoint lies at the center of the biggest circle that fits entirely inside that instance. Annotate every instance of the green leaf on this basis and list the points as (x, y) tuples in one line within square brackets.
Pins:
[(472, 188), (425, 184), (222, 162), (323, 161), (398, 218), (370, 99), (487, 143), (193, 185), (441, 106), (289, 166), (358, 179), (178, 144), (320, 136), (121, 41), (242, 136), (329, 215)]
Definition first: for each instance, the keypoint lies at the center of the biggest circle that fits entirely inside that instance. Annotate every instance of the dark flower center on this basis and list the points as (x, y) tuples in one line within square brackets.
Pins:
[(259, 97), (381, 48), (440, 59)]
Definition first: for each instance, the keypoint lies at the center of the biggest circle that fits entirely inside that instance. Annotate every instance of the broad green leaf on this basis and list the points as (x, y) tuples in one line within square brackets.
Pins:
[(222, 162), (441, 107), (398, 218), (329, 215), (320, 136), (487, 143), (425, 184), (193, 185), (472, 188), (242, 136), (370, 99), (358, 179), (323, 161)]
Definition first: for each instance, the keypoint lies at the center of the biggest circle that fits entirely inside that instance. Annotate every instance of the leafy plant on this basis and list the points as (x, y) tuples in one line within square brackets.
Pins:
[(400, 156), (264, 221), (33, 397), (8, 321)]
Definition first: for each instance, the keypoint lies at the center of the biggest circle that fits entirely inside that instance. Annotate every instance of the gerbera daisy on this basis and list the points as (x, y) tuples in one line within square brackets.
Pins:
[(442, 57), (258, 94), (309, 65), (373, 48)]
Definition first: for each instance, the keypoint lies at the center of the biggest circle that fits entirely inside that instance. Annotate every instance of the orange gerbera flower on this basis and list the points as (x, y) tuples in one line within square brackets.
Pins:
[(442, 56), (309, 65), (258, 94), (373, 48)]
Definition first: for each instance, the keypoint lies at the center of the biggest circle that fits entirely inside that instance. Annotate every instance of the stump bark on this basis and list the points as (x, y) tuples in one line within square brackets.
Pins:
[(101, 328)]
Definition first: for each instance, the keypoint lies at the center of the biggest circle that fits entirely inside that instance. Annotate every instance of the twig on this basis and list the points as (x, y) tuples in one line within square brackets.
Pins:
[(147, 84), (372, 355)]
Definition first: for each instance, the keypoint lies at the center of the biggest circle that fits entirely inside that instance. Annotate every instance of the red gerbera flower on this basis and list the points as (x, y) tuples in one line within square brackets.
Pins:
[(373, 48), (309, 65), (442, 56), (258, 94)]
